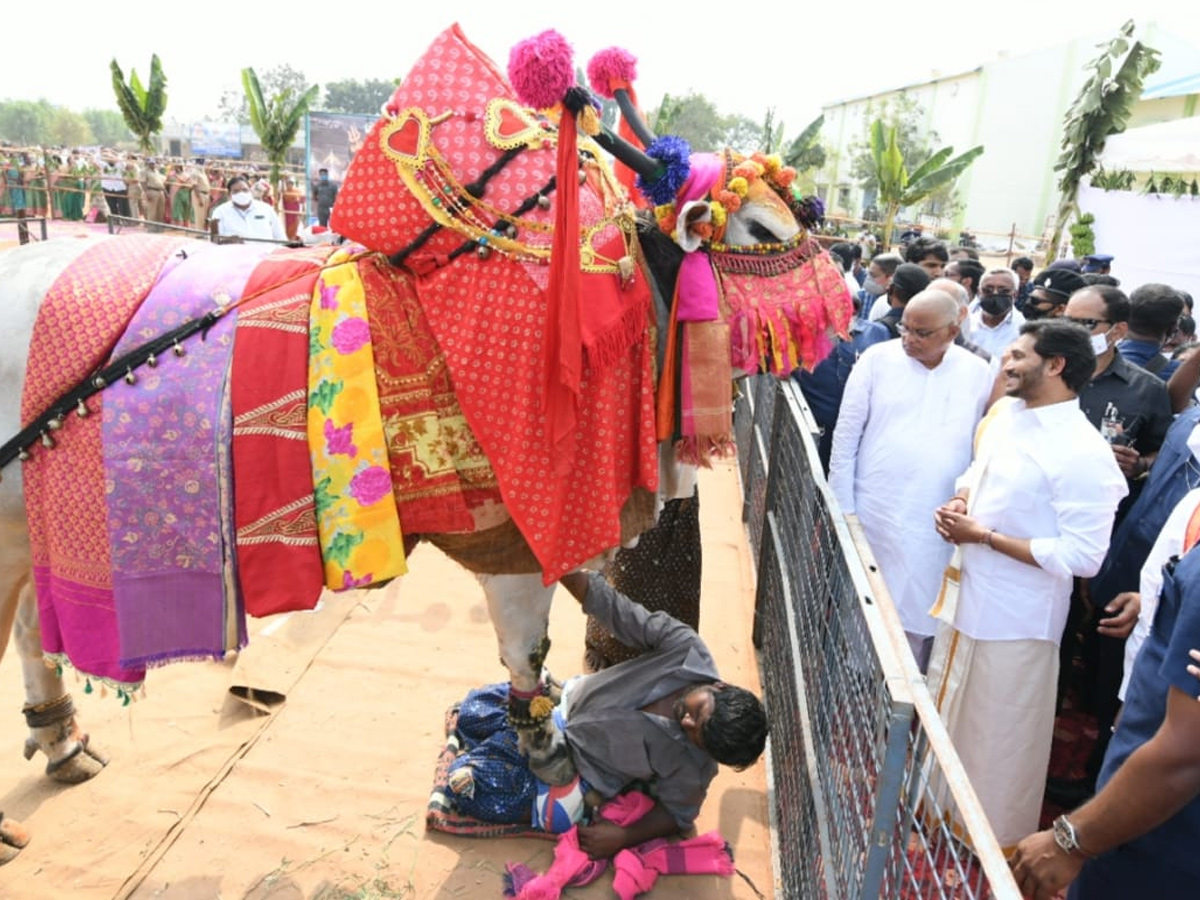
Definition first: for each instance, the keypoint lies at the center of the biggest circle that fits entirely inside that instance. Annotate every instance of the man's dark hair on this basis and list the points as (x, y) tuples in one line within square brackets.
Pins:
[(1156, 309), (234, 180), (1097, 278), (973, 269), (1022, 262), (969, 252), (908, 280), (1116, 304), (1054, 337), (736, 732), (845, 252), (1187, 300), (887, 262), (921, 247)]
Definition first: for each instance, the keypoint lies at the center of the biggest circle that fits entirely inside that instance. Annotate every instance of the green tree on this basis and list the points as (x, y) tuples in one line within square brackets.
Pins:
[(1101, 108), (805, 151), (905, 114), (142, 107), (694, 118), (276, 121), (108, 126), (897, 187), (741, 133), (234, 107), (68, 128), (365, 97), (25, 122)]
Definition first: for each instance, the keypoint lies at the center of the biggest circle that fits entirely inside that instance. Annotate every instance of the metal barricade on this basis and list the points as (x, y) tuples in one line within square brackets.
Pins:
[(867, 796)]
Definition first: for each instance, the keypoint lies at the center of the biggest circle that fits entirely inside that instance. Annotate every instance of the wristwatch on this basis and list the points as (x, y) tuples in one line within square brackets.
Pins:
[(1065, 836)]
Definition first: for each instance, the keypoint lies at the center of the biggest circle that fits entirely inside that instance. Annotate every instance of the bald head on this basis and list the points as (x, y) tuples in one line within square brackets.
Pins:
[(953, 288), (937, 303)]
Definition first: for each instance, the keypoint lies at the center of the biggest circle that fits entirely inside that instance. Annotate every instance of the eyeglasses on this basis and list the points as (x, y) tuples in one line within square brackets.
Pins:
[(1089, 324), (922, 333), (994, 292)]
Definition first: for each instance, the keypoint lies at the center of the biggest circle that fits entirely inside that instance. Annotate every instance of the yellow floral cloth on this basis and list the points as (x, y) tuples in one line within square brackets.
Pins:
[(357, 520)]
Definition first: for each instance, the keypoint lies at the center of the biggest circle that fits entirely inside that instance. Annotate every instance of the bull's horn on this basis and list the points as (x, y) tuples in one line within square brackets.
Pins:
[(629, 112), (646, 166)]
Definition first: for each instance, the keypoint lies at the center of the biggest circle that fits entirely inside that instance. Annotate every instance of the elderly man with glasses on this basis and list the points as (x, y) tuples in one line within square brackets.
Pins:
[(903, 434), (996, 323)]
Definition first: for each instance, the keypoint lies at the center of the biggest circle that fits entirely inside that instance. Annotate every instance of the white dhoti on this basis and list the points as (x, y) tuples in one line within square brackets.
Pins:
[(997, 701)]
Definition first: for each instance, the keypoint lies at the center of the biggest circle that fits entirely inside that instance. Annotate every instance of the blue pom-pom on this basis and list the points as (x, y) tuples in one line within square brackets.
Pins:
[(675, 155)]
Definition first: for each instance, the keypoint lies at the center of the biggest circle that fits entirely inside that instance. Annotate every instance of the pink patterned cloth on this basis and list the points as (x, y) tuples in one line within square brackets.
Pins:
[(83, 314)]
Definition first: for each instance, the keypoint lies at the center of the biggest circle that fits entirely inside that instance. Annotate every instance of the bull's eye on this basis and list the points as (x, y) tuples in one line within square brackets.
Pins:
[(762, 234)]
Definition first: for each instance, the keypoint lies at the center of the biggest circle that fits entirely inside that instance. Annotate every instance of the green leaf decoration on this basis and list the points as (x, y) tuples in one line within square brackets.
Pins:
[(322, 498), (340, 547), (322, 398)]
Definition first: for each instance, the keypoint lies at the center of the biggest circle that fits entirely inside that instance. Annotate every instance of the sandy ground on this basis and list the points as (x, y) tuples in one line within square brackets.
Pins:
[(325, 796)]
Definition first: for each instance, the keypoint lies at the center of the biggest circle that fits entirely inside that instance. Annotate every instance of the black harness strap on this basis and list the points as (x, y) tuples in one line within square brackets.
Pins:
[(52, 419)]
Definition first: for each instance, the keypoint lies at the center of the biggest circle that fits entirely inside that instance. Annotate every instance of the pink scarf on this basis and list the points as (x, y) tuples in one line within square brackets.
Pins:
[(637, 869)]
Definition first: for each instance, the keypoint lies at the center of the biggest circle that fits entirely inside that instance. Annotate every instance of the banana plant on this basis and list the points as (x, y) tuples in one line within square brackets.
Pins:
[(277, 121), (142, 107), (898, 187)]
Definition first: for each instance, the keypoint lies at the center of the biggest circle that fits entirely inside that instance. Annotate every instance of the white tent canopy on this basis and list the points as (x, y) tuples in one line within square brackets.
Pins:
[(1166, 147)]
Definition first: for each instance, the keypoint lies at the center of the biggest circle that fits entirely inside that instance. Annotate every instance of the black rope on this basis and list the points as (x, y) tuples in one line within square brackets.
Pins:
[(526, 205), (475, 189), (53, 418)]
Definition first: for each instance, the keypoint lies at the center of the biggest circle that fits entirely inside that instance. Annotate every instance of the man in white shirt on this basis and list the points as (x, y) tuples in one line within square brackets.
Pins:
[(1034, 511), (903, 433), (995, 323), (243, 216)]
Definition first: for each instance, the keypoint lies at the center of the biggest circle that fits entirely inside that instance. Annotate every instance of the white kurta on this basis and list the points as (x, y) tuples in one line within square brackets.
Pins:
[(995, 340), (903, 434)]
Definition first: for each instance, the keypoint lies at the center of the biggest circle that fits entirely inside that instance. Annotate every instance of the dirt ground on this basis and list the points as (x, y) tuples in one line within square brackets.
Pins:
[(324, 797)]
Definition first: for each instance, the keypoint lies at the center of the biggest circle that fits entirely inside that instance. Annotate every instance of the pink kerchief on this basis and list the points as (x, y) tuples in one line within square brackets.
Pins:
[(698, 298)]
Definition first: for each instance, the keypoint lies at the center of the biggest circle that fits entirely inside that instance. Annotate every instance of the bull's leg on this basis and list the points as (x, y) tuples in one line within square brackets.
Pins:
[(49, 711), (519, 606)]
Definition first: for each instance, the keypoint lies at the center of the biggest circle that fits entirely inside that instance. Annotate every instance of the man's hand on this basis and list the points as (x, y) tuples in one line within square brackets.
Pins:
[(576, 583), (1128, 460), (1041, 868), (1122, 615), (956, 526), (1194, 671), (602, 840)]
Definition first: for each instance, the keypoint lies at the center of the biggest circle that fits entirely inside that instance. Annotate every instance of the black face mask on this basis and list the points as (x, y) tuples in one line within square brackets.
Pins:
[(1032, 313), (995, 304)]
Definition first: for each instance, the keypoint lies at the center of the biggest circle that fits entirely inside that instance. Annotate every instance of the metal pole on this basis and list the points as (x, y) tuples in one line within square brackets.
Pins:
[(22, 227), (1012, 236)]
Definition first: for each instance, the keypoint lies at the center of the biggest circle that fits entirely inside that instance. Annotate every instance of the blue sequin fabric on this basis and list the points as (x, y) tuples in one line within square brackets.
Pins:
[(504, 787)]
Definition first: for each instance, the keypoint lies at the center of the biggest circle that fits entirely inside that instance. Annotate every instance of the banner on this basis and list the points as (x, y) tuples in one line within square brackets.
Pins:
[(221, 139), (333, 140)]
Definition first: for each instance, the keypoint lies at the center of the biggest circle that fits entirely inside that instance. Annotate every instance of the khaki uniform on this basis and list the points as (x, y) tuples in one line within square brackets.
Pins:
[(201, 191), (155, 196), (133, 184)]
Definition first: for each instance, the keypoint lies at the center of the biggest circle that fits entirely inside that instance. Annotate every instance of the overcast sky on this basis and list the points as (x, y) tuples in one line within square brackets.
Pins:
[(795, 56)]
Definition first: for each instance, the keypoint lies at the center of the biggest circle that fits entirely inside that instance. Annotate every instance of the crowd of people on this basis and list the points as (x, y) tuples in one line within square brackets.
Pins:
[(78, 184), (1021, 451)]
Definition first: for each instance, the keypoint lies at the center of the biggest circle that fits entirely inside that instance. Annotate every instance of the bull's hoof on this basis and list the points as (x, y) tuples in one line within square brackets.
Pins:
[(83, 762), (13, 836)]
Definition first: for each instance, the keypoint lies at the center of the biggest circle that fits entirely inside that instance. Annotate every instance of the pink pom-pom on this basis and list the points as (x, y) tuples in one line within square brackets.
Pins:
[(609, 67), (541, 69)]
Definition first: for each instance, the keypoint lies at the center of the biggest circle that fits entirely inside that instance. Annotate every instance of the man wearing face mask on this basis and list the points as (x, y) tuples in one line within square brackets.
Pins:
[(1132, 411), (1049, 292), (243, 216), (995, 324)]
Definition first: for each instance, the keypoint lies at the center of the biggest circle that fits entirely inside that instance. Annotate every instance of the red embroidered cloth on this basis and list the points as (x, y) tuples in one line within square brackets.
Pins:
[(279, 560), (490, 316)]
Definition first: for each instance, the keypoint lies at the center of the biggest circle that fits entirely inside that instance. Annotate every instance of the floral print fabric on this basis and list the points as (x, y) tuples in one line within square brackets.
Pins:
[(357, 520)]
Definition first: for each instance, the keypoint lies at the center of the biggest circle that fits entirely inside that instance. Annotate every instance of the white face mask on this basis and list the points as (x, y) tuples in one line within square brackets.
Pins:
[(1099, 344), (241, 198)]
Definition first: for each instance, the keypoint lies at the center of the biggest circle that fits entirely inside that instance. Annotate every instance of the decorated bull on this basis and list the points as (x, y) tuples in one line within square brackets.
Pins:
[(492, 365)]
